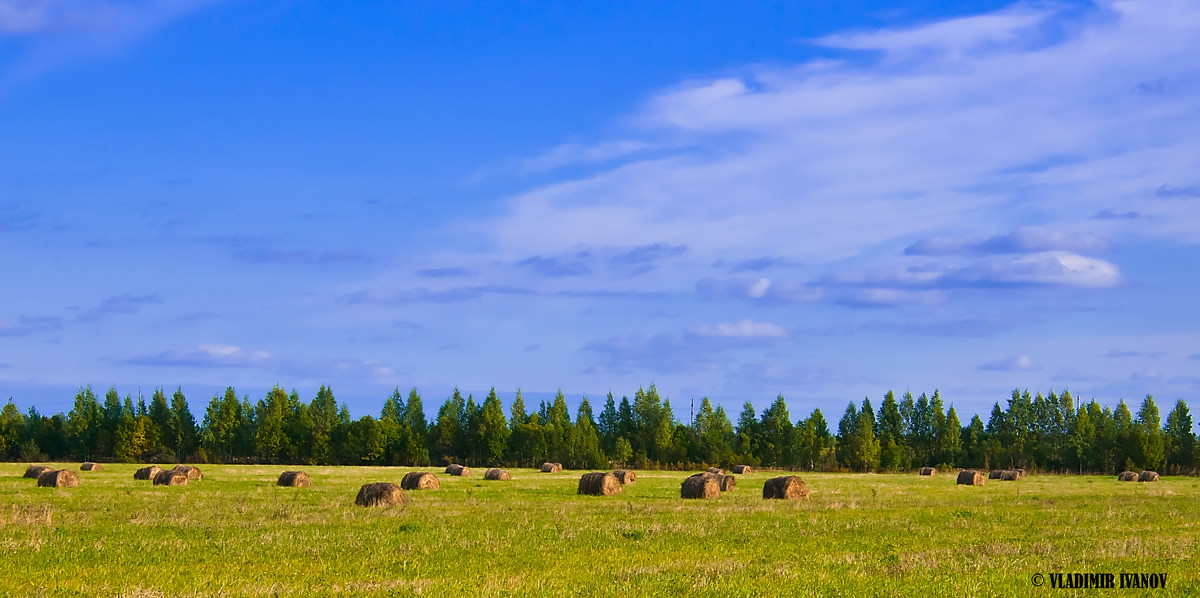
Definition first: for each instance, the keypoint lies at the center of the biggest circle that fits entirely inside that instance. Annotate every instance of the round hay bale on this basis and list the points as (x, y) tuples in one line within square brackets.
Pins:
[(294, 479), (970, 477), (1127, 476), (928, 471), (599, 483), (147, 473), (701, 485), (495, 473), (58, 478), (716, 471), (90, 466), (995, 474), (1148, 476), (192, 473), (33, 471), (451, 467), (461, 470), (788, 487), (625, 476), (379, 494), (170, 477), (1020, 471), (743, 469), (727, 483), (420, 480), (1010, 475), (551, 467)]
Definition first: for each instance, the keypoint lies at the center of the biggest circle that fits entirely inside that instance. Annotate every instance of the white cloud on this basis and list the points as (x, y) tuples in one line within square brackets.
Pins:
[(742, 329), (1012, 364), (987, 124), (575, 153)]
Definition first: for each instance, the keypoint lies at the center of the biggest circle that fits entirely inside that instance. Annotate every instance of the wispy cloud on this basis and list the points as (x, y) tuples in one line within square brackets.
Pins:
[(553, 267), (232, 356), (576, 153), (25, 326), (127, 303), (1124, 354), (740, 329), (1019, 363), (425, 295), (1023, 240), (299, 256), (60, 31)]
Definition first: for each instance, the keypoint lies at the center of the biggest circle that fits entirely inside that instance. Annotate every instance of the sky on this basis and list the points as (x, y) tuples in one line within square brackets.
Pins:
[(824, 200)]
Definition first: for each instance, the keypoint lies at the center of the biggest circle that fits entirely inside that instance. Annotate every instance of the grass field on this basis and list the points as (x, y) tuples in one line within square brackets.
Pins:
[(235, 533)]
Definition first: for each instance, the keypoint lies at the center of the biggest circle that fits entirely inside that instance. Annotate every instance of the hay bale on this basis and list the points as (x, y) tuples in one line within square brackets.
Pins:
[(460, 470), (379, 494), (90, 466), (495, 473), (928, 471), (701, 485), (599, 483), (1020, 471), (294, 479), (743, 469), (170, 477), (788, 487), (1010, 475), (551, 467), (420, 480), (33, 471), (726, 482), (451, 467), (716, 471), (970, 477), (147, 473), (1127, 476), (1148, 476), (995, 474), (58, 478), (625, 476), (192, 473)]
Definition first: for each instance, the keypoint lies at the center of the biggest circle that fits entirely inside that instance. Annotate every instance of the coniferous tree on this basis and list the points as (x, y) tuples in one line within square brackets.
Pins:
[(892, 453), (748, 436), (1180, 442), (585, 441), (493, 430), (849, 451), (776, 430), (609, 426), (1150, 447), (949, 438)]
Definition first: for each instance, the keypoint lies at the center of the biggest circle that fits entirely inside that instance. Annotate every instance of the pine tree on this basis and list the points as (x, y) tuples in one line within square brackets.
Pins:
[(608, 426), (85, 423), (1180, 441), (892, 452), (748, 437), (585, 442), (1151, 449), (493, 429), (849, 452)]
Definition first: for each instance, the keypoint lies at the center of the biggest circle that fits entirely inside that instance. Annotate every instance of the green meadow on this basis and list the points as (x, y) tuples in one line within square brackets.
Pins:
[(235, 533)]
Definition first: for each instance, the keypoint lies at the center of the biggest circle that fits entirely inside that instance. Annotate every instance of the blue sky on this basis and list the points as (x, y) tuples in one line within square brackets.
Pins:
[(826, 200)]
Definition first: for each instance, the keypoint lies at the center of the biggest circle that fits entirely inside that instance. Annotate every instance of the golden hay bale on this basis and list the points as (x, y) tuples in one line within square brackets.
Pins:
[(995, 474), (192, 473), (1148, 476), (726, 482), (451, 467), (379, 494), (599, 483), (495, 473), (90, 466), (970, 477), (716, 471), (928, 471), (1127, 476), (701, 485), (58, 478), (788, 487), (625, 476), (294, 479), (1010, 475), (551, 467), (33, 471), (170, 477), (420, 480), (459, 470), (743, 469), (147, 473), (1020, 471)]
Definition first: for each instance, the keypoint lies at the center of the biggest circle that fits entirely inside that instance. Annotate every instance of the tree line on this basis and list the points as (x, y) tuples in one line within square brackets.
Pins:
[(1047, 432)]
